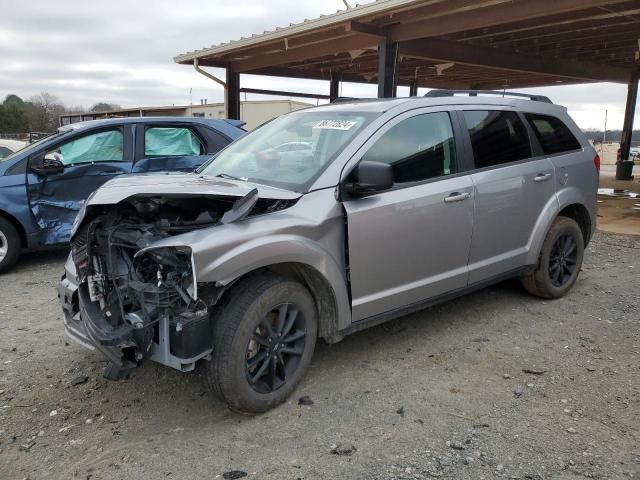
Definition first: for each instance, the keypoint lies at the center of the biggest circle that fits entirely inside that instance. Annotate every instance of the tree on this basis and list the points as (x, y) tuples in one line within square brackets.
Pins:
[(12, 115), (43, 112), (104, 107)]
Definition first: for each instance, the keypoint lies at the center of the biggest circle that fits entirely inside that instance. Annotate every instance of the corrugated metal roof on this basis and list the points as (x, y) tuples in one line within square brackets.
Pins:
[(376, 7)]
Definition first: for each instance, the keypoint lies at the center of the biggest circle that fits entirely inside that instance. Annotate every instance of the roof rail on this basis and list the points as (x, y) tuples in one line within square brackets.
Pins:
[(474, 93), (345, 99)]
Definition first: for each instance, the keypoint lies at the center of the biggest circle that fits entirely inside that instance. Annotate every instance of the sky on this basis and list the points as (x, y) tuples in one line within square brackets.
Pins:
[(121, 52)]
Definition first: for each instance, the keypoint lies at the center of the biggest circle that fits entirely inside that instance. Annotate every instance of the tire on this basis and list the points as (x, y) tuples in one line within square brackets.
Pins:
[(562, 250), (251, 307), (10, 245)]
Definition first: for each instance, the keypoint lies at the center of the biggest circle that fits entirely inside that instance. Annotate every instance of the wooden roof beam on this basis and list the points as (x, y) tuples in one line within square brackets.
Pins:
[(331, 47), (491, 16), (448, 51), (565, 22)]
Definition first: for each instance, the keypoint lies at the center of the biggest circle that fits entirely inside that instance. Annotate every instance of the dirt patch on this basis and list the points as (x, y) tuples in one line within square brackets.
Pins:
[(497, 384)]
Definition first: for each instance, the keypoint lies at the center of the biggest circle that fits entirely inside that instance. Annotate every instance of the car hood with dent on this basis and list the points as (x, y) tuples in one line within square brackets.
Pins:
[(181, 184), (176, 185)]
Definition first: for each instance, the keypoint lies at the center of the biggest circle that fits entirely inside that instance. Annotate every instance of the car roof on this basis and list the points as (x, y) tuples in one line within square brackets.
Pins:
[(12, 144), (381, 105), (223, 125)]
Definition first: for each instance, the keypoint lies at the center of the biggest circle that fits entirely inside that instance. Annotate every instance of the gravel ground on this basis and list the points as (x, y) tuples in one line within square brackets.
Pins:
[(493, 385)]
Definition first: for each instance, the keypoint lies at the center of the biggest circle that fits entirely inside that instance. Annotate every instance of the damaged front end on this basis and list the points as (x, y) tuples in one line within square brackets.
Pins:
[(138, 301)]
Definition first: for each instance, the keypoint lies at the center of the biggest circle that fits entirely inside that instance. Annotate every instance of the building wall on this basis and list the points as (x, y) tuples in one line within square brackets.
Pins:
[(255, 113)]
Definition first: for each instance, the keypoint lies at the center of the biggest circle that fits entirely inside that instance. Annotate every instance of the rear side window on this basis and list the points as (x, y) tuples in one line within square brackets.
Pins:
[(417, 148), (554, 136), (497, 137), (169, 142)]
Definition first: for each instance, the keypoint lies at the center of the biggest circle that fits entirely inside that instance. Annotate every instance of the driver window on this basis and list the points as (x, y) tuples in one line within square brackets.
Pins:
[(417, 148), (105, 146)]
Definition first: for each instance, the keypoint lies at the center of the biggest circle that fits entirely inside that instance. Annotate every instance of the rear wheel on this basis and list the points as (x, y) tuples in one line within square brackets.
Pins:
[(560, 260), (9, 245), (264, 337)]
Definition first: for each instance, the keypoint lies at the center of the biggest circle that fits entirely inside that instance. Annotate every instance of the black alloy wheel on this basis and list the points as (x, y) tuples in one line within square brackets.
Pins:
[(275, 348), (563, 259), (264, 333)]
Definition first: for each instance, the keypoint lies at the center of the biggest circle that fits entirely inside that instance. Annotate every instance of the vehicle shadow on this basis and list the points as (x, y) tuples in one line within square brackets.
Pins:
[(41, 258), (441, 329)]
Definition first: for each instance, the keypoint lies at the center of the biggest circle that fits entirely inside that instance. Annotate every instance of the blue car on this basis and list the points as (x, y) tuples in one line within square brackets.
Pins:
[(43, 186)]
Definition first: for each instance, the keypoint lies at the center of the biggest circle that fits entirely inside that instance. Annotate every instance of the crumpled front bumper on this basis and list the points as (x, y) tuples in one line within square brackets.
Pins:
[(82, 325), (69, 301), (85, 324)]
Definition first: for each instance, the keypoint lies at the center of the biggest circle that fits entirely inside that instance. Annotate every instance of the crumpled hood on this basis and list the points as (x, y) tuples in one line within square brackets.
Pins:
[(181, 184)]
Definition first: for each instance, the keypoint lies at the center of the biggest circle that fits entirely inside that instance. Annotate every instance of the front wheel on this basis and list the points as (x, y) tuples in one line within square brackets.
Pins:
[(560, 260), (264, 336), (9, 245)]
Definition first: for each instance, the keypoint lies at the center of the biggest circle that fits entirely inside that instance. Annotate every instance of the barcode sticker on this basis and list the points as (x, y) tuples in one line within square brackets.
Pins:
[(335, 124)]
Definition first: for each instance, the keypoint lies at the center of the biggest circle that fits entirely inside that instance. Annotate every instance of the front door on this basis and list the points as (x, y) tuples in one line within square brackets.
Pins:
[(169, 148), (89, 160), (411, 243)]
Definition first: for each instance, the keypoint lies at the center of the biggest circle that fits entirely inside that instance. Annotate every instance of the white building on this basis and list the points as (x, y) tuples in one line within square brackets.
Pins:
[(254, 112)]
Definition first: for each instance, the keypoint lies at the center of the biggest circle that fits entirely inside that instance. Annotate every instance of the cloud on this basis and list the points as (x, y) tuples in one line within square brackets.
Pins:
[(122, 52)]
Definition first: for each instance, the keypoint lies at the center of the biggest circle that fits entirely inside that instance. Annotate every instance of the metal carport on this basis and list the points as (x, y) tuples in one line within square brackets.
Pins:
[(468, 44)]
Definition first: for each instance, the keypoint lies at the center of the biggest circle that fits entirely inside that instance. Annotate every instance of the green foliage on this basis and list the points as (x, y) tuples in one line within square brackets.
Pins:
[(13, 118), (104, 107)]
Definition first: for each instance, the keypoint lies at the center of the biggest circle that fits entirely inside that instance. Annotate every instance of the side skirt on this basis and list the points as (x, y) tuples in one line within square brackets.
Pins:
[(421, 305)]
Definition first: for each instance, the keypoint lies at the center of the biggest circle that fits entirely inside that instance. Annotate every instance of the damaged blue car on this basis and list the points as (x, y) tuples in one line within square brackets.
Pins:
[(43, 186)]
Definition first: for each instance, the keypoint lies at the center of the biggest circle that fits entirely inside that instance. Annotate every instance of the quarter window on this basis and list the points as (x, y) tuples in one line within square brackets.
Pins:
[(170, 142), (497, 137), (417, 148), (105, 146), (554, 136)]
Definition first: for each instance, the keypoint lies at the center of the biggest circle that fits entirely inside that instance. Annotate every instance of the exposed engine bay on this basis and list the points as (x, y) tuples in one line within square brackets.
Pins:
[(139, 303)]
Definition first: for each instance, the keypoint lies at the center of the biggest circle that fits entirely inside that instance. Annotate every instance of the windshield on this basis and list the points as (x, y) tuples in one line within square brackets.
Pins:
[(291, 151), (30, 146)]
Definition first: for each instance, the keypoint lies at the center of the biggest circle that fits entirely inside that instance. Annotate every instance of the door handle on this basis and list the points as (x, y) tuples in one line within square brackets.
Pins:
[(457, 197), (542, 177)]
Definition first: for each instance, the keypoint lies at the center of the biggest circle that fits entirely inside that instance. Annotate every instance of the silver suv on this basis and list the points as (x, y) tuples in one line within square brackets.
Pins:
[(391, 206)]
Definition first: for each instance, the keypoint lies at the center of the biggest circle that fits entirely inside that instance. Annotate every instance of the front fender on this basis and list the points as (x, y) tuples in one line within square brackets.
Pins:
[(266, 251)]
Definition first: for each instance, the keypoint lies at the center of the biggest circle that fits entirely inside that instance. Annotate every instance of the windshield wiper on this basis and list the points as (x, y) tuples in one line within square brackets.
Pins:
[(231, 177)]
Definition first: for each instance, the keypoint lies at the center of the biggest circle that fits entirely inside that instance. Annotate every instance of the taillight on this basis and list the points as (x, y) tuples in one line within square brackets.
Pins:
[(619, 155), (596, 162)]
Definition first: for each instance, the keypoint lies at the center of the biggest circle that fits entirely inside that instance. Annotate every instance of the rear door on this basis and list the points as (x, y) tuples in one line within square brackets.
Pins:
[(90, 159), (512, 186), (411, 243), (178, 147)]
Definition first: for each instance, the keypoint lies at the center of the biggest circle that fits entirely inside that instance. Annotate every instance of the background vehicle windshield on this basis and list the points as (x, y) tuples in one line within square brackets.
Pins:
[(291, 151)]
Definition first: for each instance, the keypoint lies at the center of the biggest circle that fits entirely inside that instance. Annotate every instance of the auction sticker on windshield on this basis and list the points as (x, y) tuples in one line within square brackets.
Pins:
[(335, 124)]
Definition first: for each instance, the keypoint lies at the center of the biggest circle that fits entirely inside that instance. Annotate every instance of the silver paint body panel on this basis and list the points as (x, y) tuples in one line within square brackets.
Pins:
[(395, 248)]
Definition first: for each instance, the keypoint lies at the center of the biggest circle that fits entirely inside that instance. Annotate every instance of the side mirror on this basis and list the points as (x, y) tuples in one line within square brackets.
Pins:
[(51, 165), (371, 177)]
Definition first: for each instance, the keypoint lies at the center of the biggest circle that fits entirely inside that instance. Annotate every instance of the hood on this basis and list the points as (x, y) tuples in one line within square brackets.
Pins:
[(181, 185), (187, 186)]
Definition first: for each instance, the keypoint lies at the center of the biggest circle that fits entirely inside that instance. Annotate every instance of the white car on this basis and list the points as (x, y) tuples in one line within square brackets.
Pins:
[(9, 147)]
